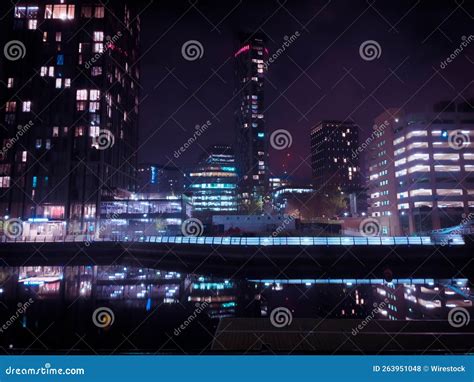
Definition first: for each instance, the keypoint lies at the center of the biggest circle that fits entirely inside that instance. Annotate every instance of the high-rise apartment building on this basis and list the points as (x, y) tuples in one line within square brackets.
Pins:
[(432, 172), (213, 182), (69, 110), (251, 134), (332, 160)]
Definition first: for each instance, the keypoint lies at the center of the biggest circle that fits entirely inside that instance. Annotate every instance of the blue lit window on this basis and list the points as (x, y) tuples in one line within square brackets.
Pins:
[(60, 59), (35, 181), (261, 135)]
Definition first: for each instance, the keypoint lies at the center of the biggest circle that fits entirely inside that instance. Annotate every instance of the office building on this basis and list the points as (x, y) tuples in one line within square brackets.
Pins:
[(432, 173), (75, 96), (333, 164), (213, 182), (251, 134)]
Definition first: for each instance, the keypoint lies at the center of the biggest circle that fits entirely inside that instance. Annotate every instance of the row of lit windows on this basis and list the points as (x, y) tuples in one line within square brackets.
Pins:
[(429, 192), (10, 106), (441, 204), (437, 168)]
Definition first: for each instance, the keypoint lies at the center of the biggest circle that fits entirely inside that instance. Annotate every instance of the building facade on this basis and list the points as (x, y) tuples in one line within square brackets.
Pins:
[(432, 172), (382, 187), (69, 110), (332, 161), (213, 182), (251, 133)]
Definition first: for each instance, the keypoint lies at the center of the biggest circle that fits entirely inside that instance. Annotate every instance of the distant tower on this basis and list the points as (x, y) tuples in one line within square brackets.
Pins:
[(251, 136)]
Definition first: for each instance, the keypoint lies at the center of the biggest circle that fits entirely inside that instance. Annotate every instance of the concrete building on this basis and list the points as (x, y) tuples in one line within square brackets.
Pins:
[(432, 172)]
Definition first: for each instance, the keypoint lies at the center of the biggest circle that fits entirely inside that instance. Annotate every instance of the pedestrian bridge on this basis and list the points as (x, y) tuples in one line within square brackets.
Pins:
[(258, 241)]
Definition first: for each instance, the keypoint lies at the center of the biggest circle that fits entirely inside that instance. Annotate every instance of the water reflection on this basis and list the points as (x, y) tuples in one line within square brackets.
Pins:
[(150, 304)]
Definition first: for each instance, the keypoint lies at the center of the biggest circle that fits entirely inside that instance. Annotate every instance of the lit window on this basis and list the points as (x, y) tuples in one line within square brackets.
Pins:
[(98, 47), (99, 12), (10, 107), (417, 145), (38, 143), (443, 168), (59, 83), (51, 71), (58, 36), (421, 192), (81, 105), (417, 133), (94, 106), (98, 36), (45, 36), (446, 156), (469, 168), (96, 71), (24, 156), (27, 106), (60, 59), (67, 82), (55, 131), (413, 157), (59, 11), (4, 181), (94, 95), (449, 192), (43, 71), (10, 83), (81, 95), (419, 168), (32, 24)]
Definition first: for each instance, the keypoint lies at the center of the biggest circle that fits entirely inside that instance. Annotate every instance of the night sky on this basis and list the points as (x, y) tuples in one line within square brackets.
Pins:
[(320, 76)]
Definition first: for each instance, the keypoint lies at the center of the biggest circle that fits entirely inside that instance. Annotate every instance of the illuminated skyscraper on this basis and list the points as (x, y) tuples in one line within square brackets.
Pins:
[(251, 134), (70, 79)]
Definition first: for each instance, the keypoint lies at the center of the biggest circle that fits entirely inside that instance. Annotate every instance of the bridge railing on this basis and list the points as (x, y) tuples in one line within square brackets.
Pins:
[(259, 241)]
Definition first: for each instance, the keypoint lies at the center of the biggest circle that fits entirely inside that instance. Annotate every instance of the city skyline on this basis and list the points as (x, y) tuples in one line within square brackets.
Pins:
[(403, 76)]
